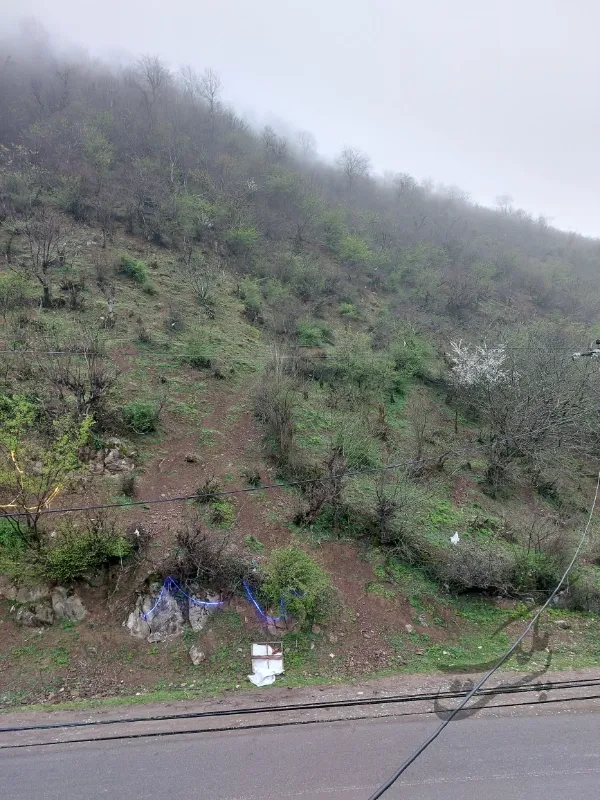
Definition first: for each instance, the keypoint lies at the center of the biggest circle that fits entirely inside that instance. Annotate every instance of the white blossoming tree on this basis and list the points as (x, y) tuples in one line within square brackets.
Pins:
[(531, 402), (477, 365)]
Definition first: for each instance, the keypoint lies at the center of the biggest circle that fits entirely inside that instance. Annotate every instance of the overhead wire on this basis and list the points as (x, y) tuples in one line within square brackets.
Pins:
[(226, 492), (502, 660)]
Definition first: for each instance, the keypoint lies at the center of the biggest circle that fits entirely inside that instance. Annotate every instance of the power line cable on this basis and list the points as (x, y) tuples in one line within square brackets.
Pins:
[(226, 492), (503, 659)]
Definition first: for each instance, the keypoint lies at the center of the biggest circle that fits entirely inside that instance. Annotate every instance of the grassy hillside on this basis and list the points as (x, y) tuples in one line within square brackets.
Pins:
[(191, 309)]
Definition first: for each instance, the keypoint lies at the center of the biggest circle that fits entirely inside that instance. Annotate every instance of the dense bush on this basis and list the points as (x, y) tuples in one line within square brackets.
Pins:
[(206, 559), (77, 552), (312, 334), (584, 590), (198, 352), (13, 549), (292, 576), (249, 291), (242, 240), (141, 416), (133, 268)]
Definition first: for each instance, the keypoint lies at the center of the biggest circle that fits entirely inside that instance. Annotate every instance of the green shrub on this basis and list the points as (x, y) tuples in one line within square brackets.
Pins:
[(12, 538), (584, 589), (141, 416), (13, 293), (534, 571), (304, 586), (132, 268), (254, 544), (13, 547), (311, 334), (357, 445), (149, 288), (198, 352), (242, 240), (249, 291), (77, 552), (410, 355), (223, 513), (354, 251), (348, 310)]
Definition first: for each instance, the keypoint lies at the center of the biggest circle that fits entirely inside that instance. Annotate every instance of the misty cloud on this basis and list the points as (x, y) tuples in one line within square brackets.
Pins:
[(493, 97)]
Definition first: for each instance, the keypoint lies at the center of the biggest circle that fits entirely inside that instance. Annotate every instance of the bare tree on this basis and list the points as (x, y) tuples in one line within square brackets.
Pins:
[(533, 403), (82, 370), (504, 202), (43, 231), (275, 146), (201, 277), (210, 89), (354, 164), (152, 77), (189, 80), (104, 213), (307, 143)]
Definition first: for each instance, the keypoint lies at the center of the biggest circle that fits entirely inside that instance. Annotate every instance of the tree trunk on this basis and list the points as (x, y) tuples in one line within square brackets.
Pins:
[(46, 296)]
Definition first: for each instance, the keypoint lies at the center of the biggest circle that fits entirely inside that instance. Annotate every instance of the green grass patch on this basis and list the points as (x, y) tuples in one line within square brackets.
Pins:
[(380, 590)]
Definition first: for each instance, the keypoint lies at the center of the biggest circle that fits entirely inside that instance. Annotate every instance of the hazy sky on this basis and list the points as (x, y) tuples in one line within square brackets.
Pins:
[(495, 96)]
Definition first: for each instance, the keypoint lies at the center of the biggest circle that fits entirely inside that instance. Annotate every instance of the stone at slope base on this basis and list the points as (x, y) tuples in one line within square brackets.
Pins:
[(8, 591), (196, 655), (115, 462), (67, 606), (32, 594), (199, 615), (165, 621), (41, 614)]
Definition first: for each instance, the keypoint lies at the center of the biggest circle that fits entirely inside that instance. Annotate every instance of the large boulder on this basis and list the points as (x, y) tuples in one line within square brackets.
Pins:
[(8, 591), (165, 621), (199, 615), (32, 594), (40, 614), (67, 606), (135, 623), (197, 655), (116, 463)]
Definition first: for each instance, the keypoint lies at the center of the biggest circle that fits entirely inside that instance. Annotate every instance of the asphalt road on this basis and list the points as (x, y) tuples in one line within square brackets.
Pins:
[(524, 757)]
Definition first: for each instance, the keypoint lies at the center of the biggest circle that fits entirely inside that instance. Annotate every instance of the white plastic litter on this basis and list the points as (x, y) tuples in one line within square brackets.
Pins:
[(456, 538), (267, 662)]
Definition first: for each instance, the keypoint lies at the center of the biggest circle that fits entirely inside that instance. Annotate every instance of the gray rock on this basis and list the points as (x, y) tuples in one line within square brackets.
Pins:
[(8, 590), (563, 623), (165, 621), (115, 462), (272, 630), (44, 613), (26, 618), (409, 628), (199, 615), (113, 442), (67, 606), (41, 615), (196, 655), (135, 622), (316, 629), (32, 594)]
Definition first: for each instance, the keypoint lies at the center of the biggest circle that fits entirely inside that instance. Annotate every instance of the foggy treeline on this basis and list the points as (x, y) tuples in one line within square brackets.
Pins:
[(159, 151)]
